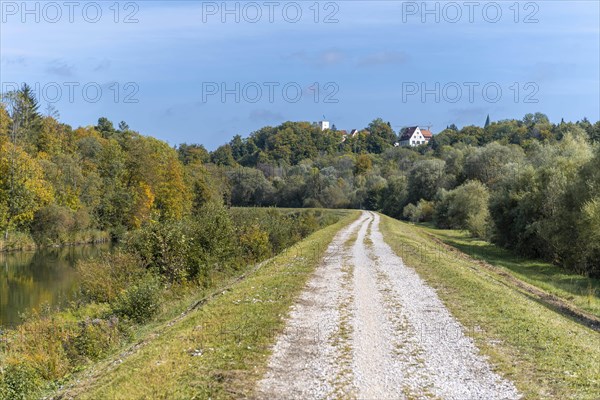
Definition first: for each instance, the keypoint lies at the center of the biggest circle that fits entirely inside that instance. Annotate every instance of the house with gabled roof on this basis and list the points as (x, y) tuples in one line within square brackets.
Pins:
[(415, 136)]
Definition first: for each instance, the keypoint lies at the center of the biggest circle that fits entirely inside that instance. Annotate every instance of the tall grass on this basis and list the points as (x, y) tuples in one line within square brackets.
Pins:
[(17, 241)]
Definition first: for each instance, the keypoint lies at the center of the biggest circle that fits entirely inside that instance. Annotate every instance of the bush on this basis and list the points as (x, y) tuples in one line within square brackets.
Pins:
[(254, 243), (422, 212), (17, 241), (307, 223), (46, 348), (426, 209), (57, 225), (214, 239), (283, 229), (96, 337), (185, 249), (102, 280), (411, 212), (40, 342), (19, 380), (465, 207), (52, 224), (164, 246), (141, 301)]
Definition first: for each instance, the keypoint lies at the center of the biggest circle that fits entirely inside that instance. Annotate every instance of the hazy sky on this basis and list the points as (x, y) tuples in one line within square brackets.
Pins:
[(204, 71)]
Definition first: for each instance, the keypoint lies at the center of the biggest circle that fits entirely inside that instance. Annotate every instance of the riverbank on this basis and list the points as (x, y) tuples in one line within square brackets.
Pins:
[(20, 241), (44, 278), (125, 296), (218, 349)]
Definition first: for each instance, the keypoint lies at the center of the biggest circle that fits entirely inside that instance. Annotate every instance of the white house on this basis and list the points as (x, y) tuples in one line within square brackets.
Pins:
[(414, 136)]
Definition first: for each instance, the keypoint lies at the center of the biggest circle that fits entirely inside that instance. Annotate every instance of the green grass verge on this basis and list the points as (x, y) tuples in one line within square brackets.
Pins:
[(545, 354), (581, 291), (220, 350)]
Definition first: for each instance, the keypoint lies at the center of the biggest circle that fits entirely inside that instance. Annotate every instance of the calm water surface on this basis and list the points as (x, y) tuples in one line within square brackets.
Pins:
[(29, 280)]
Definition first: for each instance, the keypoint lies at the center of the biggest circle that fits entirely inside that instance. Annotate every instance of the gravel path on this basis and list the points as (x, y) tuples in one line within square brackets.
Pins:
[(367, 327)]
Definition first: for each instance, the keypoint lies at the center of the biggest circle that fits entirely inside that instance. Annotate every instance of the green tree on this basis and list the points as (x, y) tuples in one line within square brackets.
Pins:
[(223, 156), (249, 187), (394, 196), (105, 127), (425, 179), (486, 163), (363, 164), (381, 136), (5, 123), (23, 190), (193, 153), (465, 207)]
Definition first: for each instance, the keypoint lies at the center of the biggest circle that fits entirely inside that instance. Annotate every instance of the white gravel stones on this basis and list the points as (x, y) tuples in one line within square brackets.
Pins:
[(404, 342), (449, 364), (304, 357)]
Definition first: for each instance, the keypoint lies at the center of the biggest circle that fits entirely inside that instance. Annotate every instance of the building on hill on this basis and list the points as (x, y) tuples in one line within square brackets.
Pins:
[(352, 134), (415, 136), (323, 125)]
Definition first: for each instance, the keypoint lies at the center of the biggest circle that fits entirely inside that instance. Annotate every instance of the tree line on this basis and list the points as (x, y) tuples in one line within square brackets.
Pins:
[(60, 184), (527, 184)]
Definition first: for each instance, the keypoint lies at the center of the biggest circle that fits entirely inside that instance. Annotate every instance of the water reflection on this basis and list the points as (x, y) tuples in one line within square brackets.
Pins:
[(30, 279)]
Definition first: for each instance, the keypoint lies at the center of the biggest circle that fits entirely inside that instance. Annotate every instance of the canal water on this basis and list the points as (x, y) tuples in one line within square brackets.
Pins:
[(31, 280)]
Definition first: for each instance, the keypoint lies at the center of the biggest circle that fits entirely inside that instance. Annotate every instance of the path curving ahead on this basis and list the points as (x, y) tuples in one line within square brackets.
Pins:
[(368, 327)]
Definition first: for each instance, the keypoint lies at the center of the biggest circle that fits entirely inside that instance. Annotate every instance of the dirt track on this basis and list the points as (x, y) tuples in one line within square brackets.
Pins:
[(368, 327)]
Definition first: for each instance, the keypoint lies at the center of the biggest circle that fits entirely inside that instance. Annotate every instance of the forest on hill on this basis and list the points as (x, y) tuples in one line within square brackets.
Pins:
[(526, 184)]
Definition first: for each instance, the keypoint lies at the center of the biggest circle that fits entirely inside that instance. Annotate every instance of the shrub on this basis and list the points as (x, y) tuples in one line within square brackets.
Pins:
[(17, 241), (139, 302), (214, 238), (96, 337), (307, 223), (426, 209), (40, 342), (165, 246), (254, 243), (283, 229), (440, 212), (465, 207), (52, 224), (423, 211), (102, 280), (19, 380), (411, 212), (182, 250)]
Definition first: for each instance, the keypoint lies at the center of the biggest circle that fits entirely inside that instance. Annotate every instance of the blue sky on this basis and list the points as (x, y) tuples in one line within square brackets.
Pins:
[(164, 71)]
